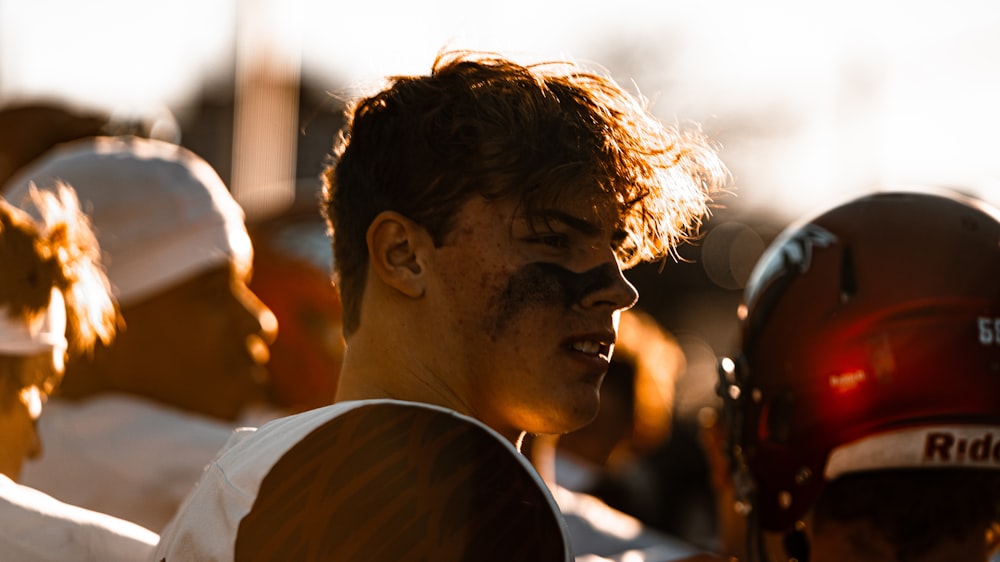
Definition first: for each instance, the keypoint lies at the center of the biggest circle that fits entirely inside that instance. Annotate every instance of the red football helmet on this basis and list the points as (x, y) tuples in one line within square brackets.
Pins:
[(870, 340)]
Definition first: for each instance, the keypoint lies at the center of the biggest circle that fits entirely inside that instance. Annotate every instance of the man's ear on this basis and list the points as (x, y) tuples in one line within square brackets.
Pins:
[(396, 247)]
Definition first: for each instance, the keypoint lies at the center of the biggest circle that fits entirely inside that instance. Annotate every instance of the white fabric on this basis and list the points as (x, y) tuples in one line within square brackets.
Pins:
[(574, 473), (597, 531), (122, 455), (950, 446), (206, 525), (35, 527), (46, 332), (161, 213)]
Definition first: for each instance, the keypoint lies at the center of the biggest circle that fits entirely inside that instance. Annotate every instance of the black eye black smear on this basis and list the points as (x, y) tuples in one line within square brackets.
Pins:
[(547, 284)]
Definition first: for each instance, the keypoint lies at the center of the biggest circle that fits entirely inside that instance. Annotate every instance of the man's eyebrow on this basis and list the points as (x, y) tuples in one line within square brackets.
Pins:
[(576, 223)]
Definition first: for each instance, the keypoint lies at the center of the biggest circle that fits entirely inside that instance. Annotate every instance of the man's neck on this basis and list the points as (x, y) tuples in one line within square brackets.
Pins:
[(371, 372)]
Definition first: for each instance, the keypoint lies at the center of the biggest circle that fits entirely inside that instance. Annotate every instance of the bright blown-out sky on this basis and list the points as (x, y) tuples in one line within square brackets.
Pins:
[(812, 102)]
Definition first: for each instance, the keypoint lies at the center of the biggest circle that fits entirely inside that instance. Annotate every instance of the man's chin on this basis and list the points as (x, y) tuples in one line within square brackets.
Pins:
[(571, 418)]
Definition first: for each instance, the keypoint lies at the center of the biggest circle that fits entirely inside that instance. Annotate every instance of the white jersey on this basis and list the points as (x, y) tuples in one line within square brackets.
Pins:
[(123, 455), (35, 527), (597, 531), (368, 480)]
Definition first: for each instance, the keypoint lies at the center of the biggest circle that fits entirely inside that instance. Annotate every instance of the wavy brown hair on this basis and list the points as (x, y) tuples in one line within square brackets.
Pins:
[(481, 125), (55, 249)]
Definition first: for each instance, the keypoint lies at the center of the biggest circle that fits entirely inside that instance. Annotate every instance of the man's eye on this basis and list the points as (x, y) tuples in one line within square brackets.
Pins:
[(551, 240)]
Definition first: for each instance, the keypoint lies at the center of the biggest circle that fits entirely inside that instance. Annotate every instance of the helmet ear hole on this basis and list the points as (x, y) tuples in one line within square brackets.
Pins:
[(796, 545), (848, 277), (778, 418)]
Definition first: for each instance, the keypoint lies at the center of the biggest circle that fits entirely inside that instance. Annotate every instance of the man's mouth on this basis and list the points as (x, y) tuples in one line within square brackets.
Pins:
[(593, 348)]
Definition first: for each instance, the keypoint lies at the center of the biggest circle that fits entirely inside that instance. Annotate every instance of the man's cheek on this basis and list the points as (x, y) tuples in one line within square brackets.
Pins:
[(542, 285)]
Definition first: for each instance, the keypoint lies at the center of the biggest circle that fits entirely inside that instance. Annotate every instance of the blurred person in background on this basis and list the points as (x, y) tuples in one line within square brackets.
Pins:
[(481, 216), (54, 301), (135, 421), (292, 275), (29, 129), (864, 408)]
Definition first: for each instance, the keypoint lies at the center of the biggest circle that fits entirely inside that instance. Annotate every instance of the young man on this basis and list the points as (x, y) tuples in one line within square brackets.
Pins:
[(865, 404), (482, 216), (54, 300), (136, 421)]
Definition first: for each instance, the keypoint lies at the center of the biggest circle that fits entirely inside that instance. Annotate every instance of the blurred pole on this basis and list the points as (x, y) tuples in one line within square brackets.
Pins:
[(4, 63), (265, 122)]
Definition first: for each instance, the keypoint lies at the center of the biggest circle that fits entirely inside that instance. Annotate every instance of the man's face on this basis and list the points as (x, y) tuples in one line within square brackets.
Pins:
[(531, 310), (200, 345)]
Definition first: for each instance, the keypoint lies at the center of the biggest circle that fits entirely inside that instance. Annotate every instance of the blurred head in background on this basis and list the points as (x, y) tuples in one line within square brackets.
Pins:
[(29, 129), (54, 301), (292, 276), (178, 258)]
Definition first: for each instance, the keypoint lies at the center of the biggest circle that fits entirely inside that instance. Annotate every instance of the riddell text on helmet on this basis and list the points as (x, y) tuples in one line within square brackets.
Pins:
[(946, 447)]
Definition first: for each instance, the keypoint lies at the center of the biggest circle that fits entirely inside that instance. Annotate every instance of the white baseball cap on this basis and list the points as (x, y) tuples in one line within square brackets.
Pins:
[(161, 213)]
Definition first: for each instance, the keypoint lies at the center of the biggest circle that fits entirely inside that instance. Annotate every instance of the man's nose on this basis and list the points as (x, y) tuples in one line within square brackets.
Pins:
[(262, 321), (609, 287)]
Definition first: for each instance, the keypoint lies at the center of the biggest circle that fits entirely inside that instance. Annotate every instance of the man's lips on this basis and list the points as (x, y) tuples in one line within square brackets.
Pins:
[(598, 345)]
